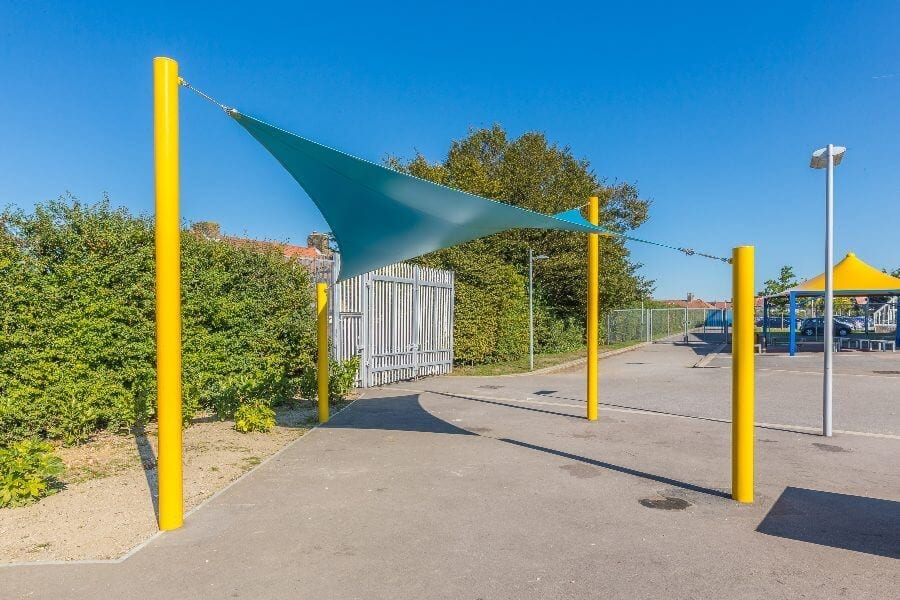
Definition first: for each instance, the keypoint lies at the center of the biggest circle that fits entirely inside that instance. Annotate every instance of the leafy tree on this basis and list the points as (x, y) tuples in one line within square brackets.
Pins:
[(533, 173), (786, 280), (843, 304)]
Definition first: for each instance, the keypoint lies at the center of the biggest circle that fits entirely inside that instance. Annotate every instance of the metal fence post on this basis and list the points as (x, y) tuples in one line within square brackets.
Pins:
[(168, 293), (416, 333), (593, 314), (742, 383), (322, 358), (336, 325)]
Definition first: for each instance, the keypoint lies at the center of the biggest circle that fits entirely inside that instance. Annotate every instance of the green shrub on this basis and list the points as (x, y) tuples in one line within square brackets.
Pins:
[(77, 343), (491, 305), (255, 416), (28, 471), (308, 384), (552, 335), (341, 377)]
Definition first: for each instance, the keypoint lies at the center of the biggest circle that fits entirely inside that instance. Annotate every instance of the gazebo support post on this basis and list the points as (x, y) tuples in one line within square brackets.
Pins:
[(793, 313), (866, 321), (897, 321)]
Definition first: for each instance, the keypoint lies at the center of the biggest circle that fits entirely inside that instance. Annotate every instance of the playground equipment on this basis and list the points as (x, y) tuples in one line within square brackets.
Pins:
[(850, 277), (378, 217)]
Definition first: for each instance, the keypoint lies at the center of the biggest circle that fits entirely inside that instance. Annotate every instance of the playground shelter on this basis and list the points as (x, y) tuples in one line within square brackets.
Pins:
[(852, 277), (378, 217)]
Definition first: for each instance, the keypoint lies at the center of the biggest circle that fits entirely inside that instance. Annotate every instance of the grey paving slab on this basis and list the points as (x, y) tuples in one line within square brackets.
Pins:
[(433, 490)]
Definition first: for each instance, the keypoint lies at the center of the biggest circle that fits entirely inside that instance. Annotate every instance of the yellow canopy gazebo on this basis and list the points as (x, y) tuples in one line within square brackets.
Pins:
[(852, 277)]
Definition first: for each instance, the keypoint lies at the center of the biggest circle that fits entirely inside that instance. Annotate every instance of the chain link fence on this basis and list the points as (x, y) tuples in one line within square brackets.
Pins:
[(672, 325)]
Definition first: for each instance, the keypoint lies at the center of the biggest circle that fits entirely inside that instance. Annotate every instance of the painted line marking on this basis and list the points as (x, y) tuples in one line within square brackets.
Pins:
[(639, 411), (819, 373)]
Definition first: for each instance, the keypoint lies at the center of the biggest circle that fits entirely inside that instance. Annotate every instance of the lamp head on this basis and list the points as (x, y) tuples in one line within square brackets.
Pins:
[(819, 158)]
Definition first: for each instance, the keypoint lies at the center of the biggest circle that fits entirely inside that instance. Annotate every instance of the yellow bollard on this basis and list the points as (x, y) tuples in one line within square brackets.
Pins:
[(593, 312), (742, 383), (322, 359), (168, 292)]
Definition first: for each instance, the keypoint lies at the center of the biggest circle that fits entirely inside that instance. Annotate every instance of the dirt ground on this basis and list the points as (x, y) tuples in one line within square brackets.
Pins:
[(107, 504)]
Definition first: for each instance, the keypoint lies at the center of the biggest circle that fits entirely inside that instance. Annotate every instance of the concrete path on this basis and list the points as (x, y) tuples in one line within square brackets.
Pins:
[(457, 488)]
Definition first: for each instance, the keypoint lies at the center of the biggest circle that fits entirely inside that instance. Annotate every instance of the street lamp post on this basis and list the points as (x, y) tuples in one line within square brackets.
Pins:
[(531, 259), (828, 158)]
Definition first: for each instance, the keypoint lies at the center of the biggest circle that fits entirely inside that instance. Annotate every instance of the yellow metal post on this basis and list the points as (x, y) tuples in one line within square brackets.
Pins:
[(593, 311), (742, 384), (168, 292), (322, 362)]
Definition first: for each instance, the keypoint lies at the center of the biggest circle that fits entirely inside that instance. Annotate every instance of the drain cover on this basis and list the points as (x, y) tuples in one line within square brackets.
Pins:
[(665, 503), (886, 372), (489, 387)]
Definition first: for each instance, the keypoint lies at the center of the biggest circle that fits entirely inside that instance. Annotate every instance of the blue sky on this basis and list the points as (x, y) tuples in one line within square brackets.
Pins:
[(712, 111)]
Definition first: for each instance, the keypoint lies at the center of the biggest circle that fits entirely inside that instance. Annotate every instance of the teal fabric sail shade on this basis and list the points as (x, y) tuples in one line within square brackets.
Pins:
[(379, 216)]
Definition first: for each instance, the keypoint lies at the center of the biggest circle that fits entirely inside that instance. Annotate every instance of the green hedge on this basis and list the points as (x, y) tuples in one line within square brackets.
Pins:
[(77, 345), (491, 305)]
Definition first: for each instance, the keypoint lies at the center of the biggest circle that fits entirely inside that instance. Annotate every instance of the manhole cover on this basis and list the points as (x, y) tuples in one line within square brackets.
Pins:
[(829, 447), (886, 372), (489, 387), (665, 503), (544, 392), (635, 363)]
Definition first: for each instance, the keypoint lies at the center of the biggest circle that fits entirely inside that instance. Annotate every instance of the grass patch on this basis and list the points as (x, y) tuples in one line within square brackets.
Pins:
[(541, 361)]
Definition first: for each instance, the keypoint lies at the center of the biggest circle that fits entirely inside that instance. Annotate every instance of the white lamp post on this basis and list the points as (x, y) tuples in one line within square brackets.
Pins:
[(828, 158), (531, 259)]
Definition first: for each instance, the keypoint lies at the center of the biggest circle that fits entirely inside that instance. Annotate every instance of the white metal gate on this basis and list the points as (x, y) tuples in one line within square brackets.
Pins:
[(399, 319)]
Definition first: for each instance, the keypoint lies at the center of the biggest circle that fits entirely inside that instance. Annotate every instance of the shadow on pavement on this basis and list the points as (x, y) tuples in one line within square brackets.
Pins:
[(498, 403), (620, 469), (406, 413), (148, 462), (869, 525), (396, 413)]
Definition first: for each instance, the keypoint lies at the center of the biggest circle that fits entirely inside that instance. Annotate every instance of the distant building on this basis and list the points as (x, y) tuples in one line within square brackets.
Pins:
[(317, 256), (689, 302)]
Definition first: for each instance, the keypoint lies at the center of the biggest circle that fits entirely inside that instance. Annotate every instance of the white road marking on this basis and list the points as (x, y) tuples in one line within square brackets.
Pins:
[(638, 411)]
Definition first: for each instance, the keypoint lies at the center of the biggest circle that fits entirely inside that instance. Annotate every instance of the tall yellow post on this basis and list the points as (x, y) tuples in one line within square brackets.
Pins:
[(742, 384), (168, 292), (322, 359), (593, 310)]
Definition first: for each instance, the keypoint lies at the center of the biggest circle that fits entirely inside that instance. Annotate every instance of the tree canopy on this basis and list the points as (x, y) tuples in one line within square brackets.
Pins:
[(786, 280), (534, 173)]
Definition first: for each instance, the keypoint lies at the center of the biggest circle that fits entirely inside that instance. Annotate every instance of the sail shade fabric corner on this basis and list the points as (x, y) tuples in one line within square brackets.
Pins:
[(379, 216)]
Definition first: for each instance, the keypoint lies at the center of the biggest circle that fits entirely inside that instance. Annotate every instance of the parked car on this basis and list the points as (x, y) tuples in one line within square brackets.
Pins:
[(783, 322), (816, 326)]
